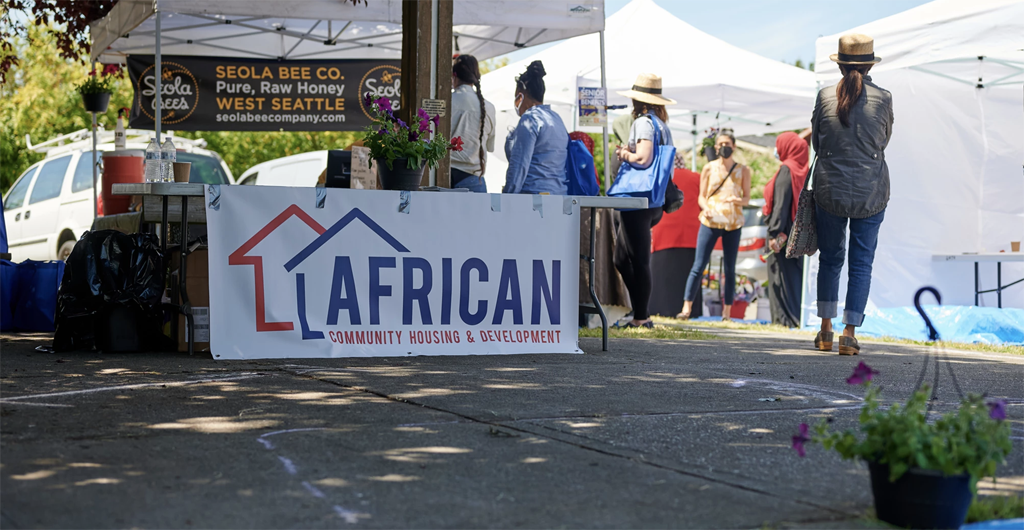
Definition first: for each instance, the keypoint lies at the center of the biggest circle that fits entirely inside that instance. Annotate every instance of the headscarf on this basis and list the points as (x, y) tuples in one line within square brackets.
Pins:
[(793, 154)]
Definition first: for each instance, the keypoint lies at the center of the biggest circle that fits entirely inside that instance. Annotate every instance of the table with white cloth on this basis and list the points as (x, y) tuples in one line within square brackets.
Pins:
[(986, 257)]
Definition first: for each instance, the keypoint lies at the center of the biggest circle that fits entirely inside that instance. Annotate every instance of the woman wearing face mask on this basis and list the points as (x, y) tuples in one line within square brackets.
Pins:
[(633, 234), (536, 149), (724, 191), (851, 124), (785, 276), (473, 121)]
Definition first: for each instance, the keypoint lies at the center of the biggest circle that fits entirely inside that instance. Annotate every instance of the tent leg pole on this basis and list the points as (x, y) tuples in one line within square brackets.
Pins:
[(95, 178), (434, 24), (159, 101), (604, 130), (693, 151)]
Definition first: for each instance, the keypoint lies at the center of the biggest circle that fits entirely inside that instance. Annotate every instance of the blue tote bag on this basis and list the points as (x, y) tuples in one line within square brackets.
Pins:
[(649, 182), (579, 168)]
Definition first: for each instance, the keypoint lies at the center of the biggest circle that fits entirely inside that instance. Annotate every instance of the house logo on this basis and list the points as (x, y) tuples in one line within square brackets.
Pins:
[(179, 90), (384, 81), (578, 9), (345, 294)]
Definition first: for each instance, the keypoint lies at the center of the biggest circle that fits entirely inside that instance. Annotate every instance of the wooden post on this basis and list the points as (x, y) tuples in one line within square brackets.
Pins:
[(418, 22)]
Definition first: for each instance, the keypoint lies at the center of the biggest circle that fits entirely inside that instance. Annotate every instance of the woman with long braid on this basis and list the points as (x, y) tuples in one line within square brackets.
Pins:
[(473, 120)]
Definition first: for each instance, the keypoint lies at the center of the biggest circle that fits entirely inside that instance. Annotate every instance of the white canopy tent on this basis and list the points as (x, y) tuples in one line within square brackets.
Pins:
[(956, 73), (713, 81), (328, 29)]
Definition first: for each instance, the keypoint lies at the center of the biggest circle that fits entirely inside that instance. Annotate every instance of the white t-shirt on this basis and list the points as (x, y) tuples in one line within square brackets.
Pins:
[(466, 124)]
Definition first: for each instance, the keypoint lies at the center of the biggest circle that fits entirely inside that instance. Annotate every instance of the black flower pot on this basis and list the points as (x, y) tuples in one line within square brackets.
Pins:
[(710, 154), (96, 102), (400, 177), (921, 498)]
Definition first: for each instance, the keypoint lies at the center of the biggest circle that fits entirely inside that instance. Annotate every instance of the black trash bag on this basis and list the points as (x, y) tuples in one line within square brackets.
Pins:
[(112, 282)]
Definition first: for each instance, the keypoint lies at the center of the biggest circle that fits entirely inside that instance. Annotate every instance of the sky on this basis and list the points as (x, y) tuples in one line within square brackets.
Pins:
[(784, 30)]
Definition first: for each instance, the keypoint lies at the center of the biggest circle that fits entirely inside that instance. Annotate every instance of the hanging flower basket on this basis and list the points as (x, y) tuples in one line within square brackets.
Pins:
[(96, 89), (96, 102)]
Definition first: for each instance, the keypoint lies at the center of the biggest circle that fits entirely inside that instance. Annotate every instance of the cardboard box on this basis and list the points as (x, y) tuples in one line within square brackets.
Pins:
[(197, 283)]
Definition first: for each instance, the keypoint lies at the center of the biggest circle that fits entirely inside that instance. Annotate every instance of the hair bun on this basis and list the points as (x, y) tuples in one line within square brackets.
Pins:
[(536, 68)]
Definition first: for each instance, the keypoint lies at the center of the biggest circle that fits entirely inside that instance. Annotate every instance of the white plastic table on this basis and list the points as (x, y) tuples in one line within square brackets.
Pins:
[(988, 257), (615, 203)]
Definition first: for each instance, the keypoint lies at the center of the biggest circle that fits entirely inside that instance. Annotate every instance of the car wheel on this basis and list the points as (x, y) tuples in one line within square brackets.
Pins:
[(65, 249)]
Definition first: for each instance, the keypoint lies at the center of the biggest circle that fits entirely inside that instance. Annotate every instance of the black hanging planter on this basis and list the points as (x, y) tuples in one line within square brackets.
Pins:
[(96, 102), (399, 178), (921, 498), (710, 154)]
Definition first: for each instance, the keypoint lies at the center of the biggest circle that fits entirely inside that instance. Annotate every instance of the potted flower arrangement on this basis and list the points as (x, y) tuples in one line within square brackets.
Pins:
[(707, 144), (96, 89), (923, 473), (402, 150)]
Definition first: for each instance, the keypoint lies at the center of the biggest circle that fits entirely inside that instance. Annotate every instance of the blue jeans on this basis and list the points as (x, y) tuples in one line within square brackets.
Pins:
[(706, 239), (469, 181), (831, 245)]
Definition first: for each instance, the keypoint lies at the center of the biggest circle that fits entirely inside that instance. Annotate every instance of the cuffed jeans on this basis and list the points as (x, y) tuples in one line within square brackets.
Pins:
[(832, 249), (706, 239)]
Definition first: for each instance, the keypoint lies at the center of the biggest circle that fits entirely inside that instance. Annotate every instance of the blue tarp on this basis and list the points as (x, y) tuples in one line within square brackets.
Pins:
[(969, 324)]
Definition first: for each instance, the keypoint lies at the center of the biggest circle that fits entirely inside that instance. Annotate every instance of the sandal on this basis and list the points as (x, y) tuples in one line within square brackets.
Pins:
[(683, 316), (823, 342), (848, 346), (649, 325)]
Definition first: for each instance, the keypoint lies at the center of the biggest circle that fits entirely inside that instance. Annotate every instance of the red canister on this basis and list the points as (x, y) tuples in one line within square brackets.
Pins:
[(121, 167)]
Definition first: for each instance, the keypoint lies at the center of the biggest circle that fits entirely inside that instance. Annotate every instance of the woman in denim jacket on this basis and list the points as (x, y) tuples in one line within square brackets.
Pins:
[(852, 124)]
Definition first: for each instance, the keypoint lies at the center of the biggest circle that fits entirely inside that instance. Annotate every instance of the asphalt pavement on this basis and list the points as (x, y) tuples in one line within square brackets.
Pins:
[(652, 434)]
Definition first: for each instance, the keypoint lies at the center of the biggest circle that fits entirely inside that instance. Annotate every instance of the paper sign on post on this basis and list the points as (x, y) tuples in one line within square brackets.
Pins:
[(364, 169), (592, 103)]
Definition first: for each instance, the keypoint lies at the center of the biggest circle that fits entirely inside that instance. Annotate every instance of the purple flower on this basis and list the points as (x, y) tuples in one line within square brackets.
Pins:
[(436, 120), (401, 123), (367, 100), (997, 409), (381, 131), (800, 439), (861, 374), (413, 135), (384, 104)]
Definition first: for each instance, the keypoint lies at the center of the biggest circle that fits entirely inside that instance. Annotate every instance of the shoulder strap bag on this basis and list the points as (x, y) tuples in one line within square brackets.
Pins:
[(803, 237), (649, 182)]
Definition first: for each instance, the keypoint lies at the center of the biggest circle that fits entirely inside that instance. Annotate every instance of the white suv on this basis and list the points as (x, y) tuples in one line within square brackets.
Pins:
[(50, 205)]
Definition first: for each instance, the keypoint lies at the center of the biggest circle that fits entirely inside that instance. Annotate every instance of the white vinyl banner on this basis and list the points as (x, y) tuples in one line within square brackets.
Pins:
[(314, 272)]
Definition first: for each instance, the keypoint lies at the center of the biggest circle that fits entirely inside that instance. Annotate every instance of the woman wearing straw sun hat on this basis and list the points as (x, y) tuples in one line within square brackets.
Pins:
[(633, 233), (852, 124)]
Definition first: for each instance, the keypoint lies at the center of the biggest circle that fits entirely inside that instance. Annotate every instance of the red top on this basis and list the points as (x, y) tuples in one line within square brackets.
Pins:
[(679, 229)]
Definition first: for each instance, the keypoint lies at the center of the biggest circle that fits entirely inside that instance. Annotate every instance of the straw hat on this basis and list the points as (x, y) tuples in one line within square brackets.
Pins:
[(647, 88), (856, 49)]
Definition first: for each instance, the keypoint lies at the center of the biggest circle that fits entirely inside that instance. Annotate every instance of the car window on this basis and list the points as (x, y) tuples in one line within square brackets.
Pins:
[(249, 181), (50, 180), (83, 171), (16, 197), (205, 169)]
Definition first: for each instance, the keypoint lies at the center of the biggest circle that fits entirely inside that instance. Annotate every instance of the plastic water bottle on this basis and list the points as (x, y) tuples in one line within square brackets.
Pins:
[(153, 162), (168, 155)]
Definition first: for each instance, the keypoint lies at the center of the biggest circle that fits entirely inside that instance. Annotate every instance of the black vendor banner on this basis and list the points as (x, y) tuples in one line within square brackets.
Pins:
[(225, 94)]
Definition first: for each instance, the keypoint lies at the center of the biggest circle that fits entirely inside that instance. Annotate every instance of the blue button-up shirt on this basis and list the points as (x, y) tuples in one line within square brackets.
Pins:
[(536, 152)]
